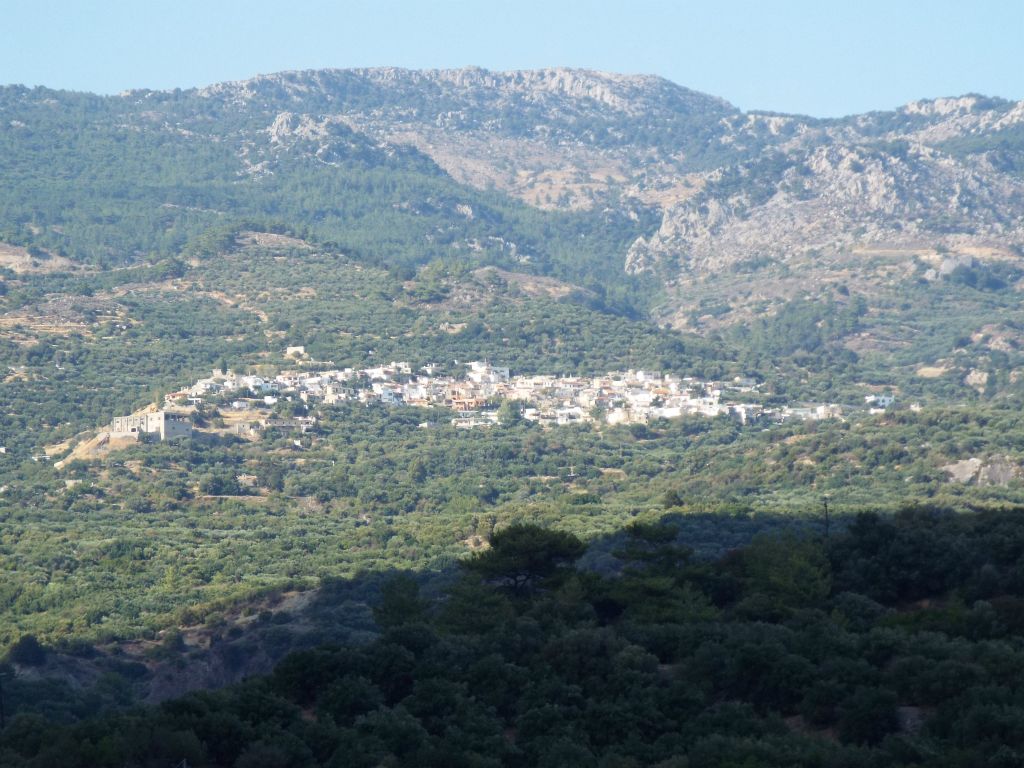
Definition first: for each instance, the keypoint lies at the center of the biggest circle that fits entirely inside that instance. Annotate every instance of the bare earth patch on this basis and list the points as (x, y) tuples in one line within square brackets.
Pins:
[(21, 261), (272, 240), (531, 285)]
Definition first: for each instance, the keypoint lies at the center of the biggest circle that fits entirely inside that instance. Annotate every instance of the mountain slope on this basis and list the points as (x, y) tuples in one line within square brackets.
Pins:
[(669, 203)]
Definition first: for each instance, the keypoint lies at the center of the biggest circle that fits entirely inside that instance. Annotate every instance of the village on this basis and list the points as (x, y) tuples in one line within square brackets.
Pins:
[(625, 397)]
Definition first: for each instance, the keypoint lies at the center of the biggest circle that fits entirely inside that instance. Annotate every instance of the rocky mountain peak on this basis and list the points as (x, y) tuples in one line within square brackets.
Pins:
[(624, 93), (627, 94), (945, 107), (730, 188)]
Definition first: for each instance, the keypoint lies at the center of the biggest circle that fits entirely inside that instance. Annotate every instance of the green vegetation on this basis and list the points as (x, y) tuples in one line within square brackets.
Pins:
[(162, 534), (895, 643), (1003, 148), (83, 348), (171, 174), (652, 594), (158, 535)]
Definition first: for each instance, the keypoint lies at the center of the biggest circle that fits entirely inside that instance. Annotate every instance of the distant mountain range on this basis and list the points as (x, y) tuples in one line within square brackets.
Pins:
[(693, 193)]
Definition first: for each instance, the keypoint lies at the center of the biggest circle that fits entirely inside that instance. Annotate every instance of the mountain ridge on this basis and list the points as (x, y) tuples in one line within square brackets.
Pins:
[(593, 84), (710, 187), (477, 75), (736, 186)]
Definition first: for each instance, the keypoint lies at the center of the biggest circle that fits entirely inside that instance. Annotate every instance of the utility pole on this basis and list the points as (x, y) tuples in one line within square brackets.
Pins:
[(824, 502), (3, 714)]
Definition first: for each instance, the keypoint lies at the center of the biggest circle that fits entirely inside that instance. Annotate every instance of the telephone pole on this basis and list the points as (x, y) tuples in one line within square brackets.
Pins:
[(824, 502), (3, 713)]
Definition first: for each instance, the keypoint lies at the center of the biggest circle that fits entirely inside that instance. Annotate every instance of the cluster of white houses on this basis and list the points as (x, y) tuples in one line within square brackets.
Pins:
[(627, 397)]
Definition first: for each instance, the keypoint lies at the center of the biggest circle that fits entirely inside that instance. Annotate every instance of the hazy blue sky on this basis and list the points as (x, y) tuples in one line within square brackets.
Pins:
[(822, 58)]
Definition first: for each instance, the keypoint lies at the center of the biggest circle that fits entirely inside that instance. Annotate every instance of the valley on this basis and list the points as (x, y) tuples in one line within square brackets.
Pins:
[(738, 381)]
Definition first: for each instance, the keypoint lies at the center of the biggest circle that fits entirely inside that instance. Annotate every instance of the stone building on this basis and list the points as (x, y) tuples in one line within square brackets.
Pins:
[(168, 425)]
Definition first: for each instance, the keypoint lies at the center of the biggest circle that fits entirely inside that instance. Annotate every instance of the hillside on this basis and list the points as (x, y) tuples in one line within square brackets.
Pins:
[(522, 418), (658, 203), (895, 643), (586, 176)]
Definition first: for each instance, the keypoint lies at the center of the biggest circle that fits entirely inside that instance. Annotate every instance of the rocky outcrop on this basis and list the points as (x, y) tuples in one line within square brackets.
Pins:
[(837, 198), (998, 470), (730, 187), (569, 89), (963, 471)]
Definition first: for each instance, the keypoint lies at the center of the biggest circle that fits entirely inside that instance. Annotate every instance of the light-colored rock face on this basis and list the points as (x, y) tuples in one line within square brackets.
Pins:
[(838, 198), (570, 89), (20, 261), (964, 471), (619, 92), (556, 138), (977, 380), (942, 107), (730, 187), (998, 470), (946, 119), (288, 126)]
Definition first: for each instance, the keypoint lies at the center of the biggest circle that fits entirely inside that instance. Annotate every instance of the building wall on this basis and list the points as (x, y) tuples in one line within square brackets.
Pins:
[(167, 426), (174, 428)]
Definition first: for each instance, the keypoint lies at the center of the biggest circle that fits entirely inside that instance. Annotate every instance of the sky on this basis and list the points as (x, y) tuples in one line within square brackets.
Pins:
[(823, 58)]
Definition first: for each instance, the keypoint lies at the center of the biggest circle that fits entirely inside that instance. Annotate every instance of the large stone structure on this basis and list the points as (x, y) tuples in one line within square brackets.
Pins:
[(168, 425)]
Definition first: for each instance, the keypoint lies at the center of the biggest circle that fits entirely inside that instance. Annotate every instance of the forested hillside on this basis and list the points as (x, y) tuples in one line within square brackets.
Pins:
[(895, 643), (121, 545), (782, 530)]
